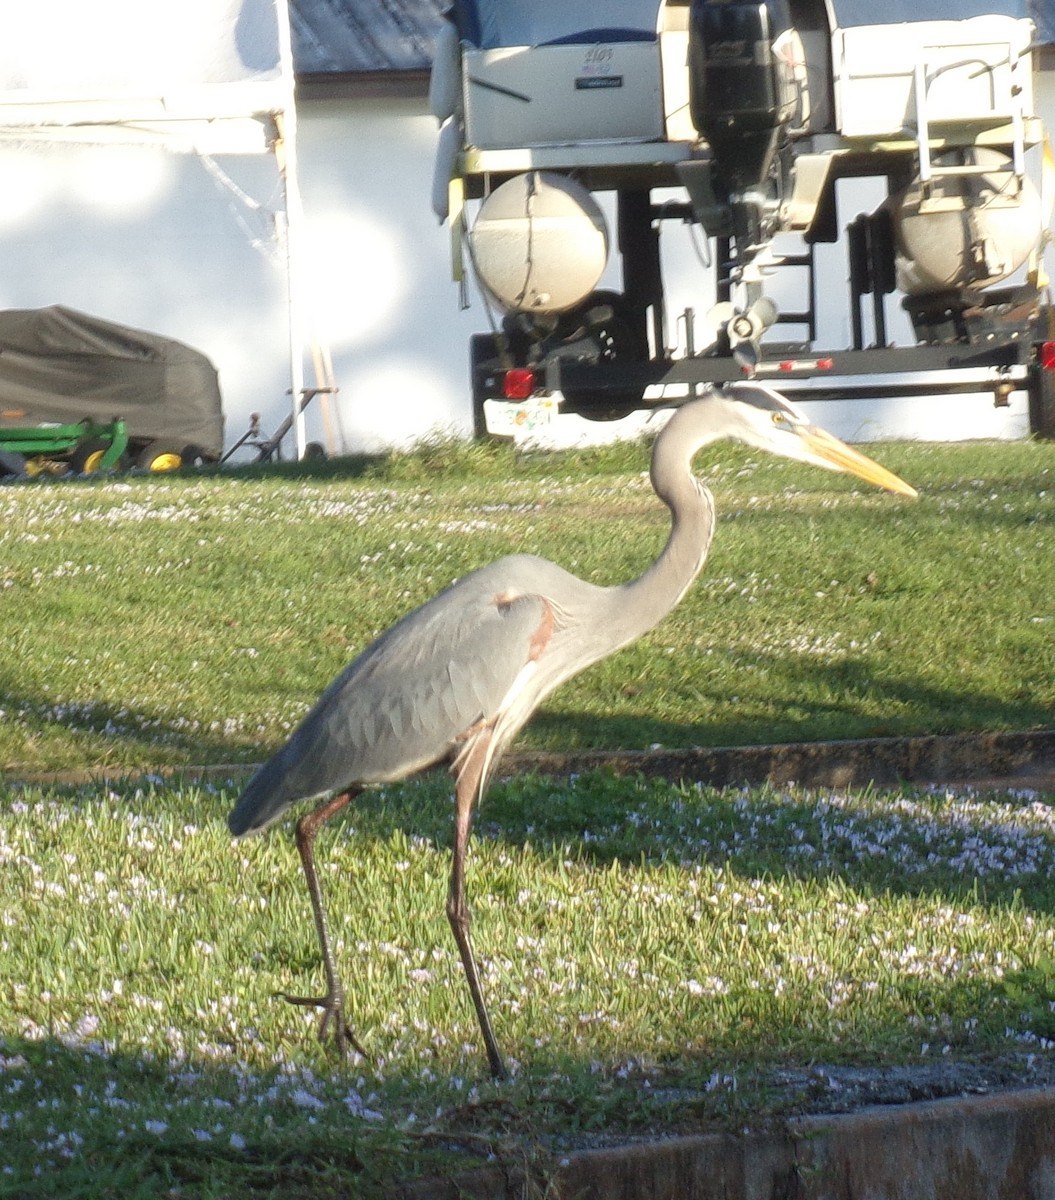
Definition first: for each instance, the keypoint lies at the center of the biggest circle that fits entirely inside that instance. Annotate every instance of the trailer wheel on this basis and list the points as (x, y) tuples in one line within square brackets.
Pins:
[(87, 456), (481, 348), (160, 456), (1042, 402), (613, 332)]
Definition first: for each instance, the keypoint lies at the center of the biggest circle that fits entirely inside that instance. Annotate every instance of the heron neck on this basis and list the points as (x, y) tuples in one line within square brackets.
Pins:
[(643, 602)]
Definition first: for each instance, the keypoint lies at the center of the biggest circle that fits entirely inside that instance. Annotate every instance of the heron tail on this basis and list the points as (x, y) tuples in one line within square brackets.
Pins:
[(266, 797)]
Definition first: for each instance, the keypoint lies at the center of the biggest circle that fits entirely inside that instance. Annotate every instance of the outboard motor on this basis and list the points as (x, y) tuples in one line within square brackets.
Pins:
[(743, 96)]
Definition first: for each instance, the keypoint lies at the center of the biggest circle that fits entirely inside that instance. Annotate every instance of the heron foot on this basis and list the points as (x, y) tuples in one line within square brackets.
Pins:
[(333, 1017)]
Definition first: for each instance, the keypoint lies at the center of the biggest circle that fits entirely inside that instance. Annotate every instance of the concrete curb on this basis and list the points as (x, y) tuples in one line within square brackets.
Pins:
[(1019, 758), (1008, 759), (998, 1147)]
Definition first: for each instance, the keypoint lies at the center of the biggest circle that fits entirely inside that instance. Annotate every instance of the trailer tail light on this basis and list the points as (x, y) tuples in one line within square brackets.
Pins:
[(518, 383), (1047, 356)]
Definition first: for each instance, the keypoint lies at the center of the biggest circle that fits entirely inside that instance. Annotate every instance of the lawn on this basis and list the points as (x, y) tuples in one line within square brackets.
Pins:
[(658, 956), (191, 620)]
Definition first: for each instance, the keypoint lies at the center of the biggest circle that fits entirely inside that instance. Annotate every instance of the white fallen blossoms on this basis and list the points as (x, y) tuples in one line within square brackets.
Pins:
[(141, 949)]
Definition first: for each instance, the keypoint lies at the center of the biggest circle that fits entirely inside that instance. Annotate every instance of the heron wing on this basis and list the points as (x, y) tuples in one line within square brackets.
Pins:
[(408, 698)]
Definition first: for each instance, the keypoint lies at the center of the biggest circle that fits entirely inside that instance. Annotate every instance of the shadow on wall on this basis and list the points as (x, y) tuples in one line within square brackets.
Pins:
[(148, 238)]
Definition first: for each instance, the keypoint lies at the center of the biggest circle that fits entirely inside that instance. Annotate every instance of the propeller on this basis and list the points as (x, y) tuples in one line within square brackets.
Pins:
[(744, 328)]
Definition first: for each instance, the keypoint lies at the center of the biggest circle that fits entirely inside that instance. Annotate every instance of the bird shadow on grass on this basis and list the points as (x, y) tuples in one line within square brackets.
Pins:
[(795, 700), (872, 855)]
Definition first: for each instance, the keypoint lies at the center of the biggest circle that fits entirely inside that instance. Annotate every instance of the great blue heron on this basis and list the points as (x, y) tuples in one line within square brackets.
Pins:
[(457, 678)]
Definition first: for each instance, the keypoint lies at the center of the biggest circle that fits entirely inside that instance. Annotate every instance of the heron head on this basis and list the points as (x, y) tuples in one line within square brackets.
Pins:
[(763, 418)]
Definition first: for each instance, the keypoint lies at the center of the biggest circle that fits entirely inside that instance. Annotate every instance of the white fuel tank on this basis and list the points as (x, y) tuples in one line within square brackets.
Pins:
[(971, 230), (539, 243)]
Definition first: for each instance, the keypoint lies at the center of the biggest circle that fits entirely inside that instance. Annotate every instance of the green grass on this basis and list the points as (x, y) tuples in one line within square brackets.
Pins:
[(655, 955), (192, 620)]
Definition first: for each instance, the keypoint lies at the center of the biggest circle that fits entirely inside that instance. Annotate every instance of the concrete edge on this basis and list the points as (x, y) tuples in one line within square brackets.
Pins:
[(1009, 759), (975, 1148), (935, 759)]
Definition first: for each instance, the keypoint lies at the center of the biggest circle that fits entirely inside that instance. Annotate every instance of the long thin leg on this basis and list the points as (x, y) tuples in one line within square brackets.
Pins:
[(332, 1004), (465, 792)]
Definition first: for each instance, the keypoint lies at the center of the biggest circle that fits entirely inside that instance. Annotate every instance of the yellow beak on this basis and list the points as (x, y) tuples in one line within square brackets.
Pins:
[(846, 458)]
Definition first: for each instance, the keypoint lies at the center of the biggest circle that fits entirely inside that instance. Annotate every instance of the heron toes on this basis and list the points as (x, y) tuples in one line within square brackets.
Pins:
[(332, 1018)]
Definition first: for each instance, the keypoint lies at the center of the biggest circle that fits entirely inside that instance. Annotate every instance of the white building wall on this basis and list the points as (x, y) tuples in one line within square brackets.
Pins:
[(380, 290)]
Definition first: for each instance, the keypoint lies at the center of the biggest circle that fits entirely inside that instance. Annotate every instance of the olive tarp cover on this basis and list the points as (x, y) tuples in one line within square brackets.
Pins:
[(60, 365)]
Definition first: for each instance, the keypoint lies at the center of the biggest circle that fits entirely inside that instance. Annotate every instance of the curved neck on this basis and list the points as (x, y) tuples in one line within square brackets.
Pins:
[(642, 603)]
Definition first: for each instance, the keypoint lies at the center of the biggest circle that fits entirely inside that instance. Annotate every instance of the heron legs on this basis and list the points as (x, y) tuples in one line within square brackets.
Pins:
[(469, 774), (465, 793), (332, 1004)]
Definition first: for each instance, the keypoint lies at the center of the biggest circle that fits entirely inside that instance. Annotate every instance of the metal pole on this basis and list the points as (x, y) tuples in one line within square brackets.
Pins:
[(291, 230)]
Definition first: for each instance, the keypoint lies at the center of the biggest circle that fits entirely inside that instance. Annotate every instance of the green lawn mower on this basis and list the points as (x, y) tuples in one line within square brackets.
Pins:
[(54, 449), (80, 394), (79, 449)]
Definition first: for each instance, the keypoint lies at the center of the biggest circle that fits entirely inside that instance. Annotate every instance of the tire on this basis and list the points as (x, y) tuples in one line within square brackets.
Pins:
[(87, 456), (160, 456), (481, 349), (12, 463), (619, 336), (1042, 402)]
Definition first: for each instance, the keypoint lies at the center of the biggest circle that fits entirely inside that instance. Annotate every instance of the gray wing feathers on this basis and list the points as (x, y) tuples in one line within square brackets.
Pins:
[(404, 702)]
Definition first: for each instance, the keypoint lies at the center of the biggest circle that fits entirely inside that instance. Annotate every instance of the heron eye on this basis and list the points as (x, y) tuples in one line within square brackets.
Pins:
[(779, 418)]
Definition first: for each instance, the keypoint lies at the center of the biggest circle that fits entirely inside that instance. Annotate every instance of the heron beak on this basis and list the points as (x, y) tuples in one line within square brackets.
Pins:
[(846, 458)]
